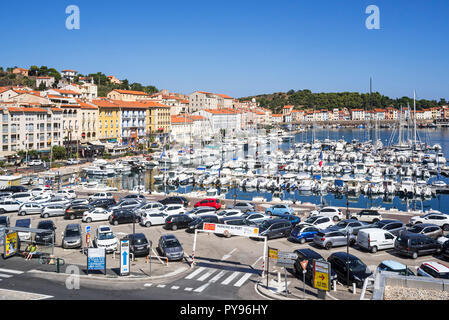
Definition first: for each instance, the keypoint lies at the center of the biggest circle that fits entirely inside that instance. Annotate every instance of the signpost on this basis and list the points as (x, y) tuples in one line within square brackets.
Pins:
[(96, 259), (304, 270), (286, 260), (273, 254), (10, 244), (124, 257), (321, 277)]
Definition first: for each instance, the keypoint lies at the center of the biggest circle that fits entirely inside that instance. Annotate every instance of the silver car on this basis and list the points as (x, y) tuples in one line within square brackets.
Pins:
[(53, 210), (30, 208), (328, 239), (72, 236)]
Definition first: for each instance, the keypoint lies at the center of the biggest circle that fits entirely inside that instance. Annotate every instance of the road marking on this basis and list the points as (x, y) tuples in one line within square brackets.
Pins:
[(194, 273), (256, 262), (161, 285), (206, 275), (227, 256), (6, 294), (243, 279), (147, 284), (174, 288), (201, 289), (188, 289), (217, 277), (230, 278), (11, 271), (5, 275)]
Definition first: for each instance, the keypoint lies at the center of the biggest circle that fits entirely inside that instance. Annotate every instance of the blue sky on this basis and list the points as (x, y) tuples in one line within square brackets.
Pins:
[(240, 48)]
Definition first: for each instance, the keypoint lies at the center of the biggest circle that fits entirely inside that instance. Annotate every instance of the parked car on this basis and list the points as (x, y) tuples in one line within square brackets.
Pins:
[(175, 200), (292, 218), (138, 244), (352, 225), (35, 163), (30, 208), (79, 202), (170, 247), (103, 203), (101, 195), (302, 233), (76, 211), (129, 204), (43, 198), (332, 212), (309, 255), (320, 222), (328, 239), (255, 217), (149, 206), (396, 267), (48, 236), (214, 203), (431, 230), (150, 218), (57, 200), (4, 221), (105, 238), (40, 191), (96, 214), (244, 206), (121, 216), (413, 245), (445, 249), (9, 205), (433, 269), (396, 227), (14, 189), (53, 210), (138, 197), (275, 228), (171, 209), (230, 213), (199, 222), (177, 221), (341, 262), (441, 220), (66, 193), (22, 197), (24, 223), (279, 209), (72, 236), (374, 239), (5, 195), (72, 161), (199, 211), (367, 215)]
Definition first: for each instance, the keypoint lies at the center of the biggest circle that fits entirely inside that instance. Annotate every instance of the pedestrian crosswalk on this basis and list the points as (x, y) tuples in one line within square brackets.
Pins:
[(8, 273), (204, 277)]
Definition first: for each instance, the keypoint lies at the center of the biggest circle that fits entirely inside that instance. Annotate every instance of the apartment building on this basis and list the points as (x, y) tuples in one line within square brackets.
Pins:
[(227, 119), (109, 120), (201, 100), (128, 95)]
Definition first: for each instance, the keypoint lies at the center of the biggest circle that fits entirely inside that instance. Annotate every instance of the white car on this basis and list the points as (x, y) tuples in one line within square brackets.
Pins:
[(9, 205), (96, 214), (44, 198), (150, 206), (72, 161), (22, 197), (374, 239), (35, 163), (433, 269), (332, 212), (257, 217), (101, 195), (320, 222), (229, 213), (30, 208), (153, 218), (171, 209), (441, 220), (40, 191), (57, 200), (67, 193), (105, 238), (53, 210)]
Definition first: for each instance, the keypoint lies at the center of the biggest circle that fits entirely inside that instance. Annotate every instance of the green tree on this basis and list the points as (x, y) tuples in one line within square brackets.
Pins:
[(59, 152)]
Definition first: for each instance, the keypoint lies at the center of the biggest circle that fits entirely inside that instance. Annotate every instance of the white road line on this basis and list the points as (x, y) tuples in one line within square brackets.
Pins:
[(174, 288), (230, 278), (161, 285), (206, 275), (256, 262), (5, 275), (217, 277), (194, 273), (201, 289), (188, 289), (242, 280), (147, 284), (11, 271), (227, 256)]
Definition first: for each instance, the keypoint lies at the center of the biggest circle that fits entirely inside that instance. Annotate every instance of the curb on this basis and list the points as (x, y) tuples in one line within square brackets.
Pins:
[(273, 295)]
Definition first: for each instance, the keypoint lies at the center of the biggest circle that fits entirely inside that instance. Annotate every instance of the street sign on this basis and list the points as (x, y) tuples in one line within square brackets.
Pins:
[(286, 263), (96, 259), (10, 244), (273, 253), (321, 272), (231, 230), (124, 257), (304, 264), (2, 235), (87, 229), (287, 255)]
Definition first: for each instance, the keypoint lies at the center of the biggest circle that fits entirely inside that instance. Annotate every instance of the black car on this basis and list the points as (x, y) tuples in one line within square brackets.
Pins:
[(177, 221), (415, 244), (103, 203), (120, 216), (15, 189), (395, 227), (198, 222), (4, 221), (49, 235), (138, 244), (358, 271), (309, 255), (275, 228), (76, 211), (445, 250), (138, 197), (175, 200)]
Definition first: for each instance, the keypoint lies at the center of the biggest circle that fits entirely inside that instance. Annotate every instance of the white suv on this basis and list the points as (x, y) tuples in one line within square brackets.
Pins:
[(370, 216), (101, 195), (441, 220), (319, 222), (332, 212), (105, 238)]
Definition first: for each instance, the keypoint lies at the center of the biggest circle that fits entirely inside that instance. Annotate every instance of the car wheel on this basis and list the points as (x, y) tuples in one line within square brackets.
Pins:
[(22, 213), (302, 240), (115, 223), (335, 218), (174, 227), (89, 220), (46, 215), (148, 224), (353, 218), (446, 227), (2, 211), (375, 220), (415, 255), (373, 249), (269, 213), (352, 242), (72, 217), (328, 245)]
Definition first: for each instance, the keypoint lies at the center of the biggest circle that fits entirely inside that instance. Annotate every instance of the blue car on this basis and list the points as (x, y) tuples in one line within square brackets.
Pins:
[(278, 209), (293, 219), (302, 233)]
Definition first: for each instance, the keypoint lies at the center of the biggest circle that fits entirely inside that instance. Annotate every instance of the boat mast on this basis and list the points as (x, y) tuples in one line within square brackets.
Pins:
[(414, 116)]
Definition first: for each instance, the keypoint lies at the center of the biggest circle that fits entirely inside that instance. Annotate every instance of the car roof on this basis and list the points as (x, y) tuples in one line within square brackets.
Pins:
[(424, 225), (168, 236), (409, 234), (343, 255), (386, 221), (276, 220), (136, 235), (395, 265), (309, 253), (73, 226), (437, 266)]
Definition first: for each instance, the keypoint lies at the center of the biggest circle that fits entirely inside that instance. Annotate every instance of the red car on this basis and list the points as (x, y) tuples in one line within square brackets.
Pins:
[(214, 203)]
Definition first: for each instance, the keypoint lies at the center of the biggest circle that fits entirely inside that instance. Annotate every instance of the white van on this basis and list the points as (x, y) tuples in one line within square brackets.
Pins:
[(374, 239)]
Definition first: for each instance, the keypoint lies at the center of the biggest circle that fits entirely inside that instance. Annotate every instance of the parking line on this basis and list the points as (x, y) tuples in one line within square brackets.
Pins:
[(217, 277), (147, 284), (194, 273), (230, 278), (161, 285), (11, 271), (188, 289), (174, 288), (242, 280)]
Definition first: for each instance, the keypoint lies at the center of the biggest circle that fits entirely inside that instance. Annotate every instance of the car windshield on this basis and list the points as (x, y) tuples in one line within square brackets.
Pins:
[(357, 265), (379, 224), (342, 224), (416, 229), (72, 233), (311, 219), (172, 243), (140, 241), (265, 225), (45, 226), (106, 236)]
